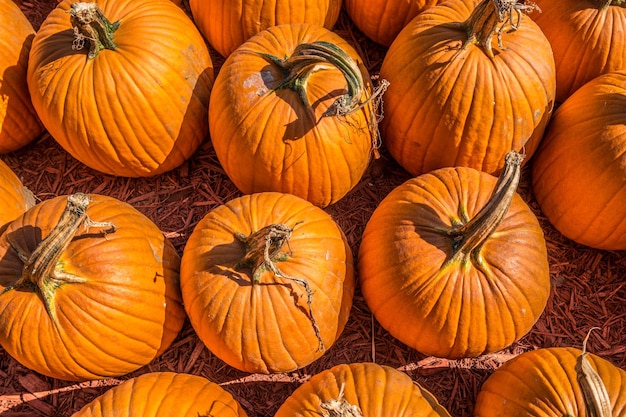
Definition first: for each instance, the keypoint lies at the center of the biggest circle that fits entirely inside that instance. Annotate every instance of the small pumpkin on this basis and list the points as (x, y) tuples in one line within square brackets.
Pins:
[(586, 37), (547, 382), (358, 390), (454, 263), (164, 394), (227, 24), (15, 197), (579, 174), (293, 111), (88, 288), (468, 82), (19, 123), (122, 85), (267, 282), (382, 20)]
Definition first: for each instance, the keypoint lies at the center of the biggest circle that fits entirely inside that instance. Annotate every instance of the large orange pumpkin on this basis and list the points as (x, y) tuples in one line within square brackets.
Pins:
[(19, 123), (16, 198), (88, 288), (164, 394), (468, 83), (133, 102), (267, 281), (454, 263), (291, 111), (361, 389), (544, 383), (382, 20), (579, 174), (227, 24), (587, 38)]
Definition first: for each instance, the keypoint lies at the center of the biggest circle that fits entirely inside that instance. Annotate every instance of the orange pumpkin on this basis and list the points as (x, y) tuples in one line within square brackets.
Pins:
[(293, 111), (544, 383), (467, 86), (88, 288), (454, 263), (586, 37), (16, 198), (579, 174), (19, 123), (133, 101), (267, 282), (164, 394), (382, 20), (227, 24), (361, 389)]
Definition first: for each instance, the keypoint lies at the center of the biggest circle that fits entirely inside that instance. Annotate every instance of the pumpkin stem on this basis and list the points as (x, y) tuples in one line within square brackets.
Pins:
[(603, 4), (489, 18), (42, 271), (263, 249), (308, 58), (597, 401), (91, 24), (340, 407), (468, 238)]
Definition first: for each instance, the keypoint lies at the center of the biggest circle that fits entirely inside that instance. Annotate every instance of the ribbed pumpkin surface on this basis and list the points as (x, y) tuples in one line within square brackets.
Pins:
[(227, 24), (267, 326), (579, 174), (164, 394), (16, 199), (451, 107), (138, 110), (377, 390), (127, 312), (542, 383), (19, 124)]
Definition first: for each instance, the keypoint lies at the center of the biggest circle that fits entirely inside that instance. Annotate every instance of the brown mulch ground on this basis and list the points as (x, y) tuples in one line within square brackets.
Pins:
[(589, 286)]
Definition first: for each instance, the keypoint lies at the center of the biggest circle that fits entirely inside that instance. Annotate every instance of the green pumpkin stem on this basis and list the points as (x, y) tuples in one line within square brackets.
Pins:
[(489, 18), (91, 25), (263, 249), (603, 4), (469, 237), (595, 394), (41, 271)]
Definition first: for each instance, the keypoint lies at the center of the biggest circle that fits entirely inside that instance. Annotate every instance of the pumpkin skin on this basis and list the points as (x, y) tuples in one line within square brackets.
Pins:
[(126, 312), (453, 106), (135, 111), (542, 383), (586, 38), (16, 198), (579, 174), (241, 321), (19, 123), (267, 139), (226, 24), (382, 20), (163, 394), (439, 301), (378, 390)]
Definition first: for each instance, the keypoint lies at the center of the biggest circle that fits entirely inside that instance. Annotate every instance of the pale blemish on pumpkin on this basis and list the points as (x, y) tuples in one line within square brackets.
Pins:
[(256, 84)]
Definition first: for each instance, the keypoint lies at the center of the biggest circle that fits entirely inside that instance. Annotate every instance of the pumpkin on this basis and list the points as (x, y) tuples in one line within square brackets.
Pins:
[(468, 82), (382, 20), (293, 111), (122, 85), (164, 394), (267, 282), (361, 389), (579, 175), (15, 197), (547, 382), (88, 288), (453, 263), (586, 37), (19, 123), (226, 24)]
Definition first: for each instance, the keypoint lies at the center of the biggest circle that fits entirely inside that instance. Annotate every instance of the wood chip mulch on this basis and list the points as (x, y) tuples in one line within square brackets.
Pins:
[(588, 285)]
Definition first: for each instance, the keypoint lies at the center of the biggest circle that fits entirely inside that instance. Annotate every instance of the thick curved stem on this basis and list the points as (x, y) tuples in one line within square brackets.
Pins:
[(91, 25), (595, 394)]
